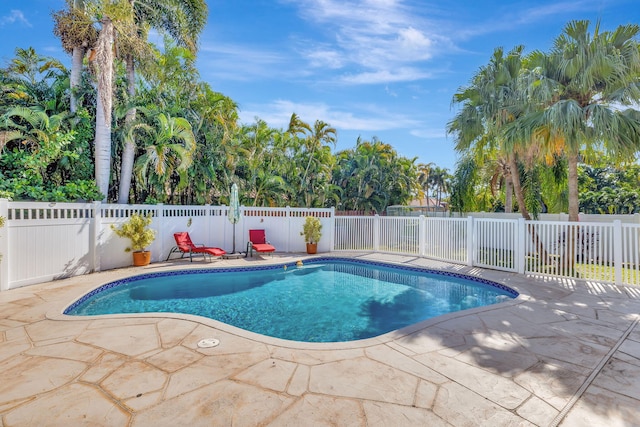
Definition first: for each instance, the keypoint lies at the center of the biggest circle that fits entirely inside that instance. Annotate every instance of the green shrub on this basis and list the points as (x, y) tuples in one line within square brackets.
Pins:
[(312, 230), (137, 230)]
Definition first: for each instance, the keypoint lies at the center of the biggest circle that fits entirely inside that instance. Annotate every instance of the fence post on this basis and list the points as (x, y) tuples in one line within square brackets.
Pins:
[(376, 233), (470, 241), (94, 236), (160, 226), (617, 251), (208, 215), (288, 213), (422, 230), (332, 235), (4, 246), (520, 254)]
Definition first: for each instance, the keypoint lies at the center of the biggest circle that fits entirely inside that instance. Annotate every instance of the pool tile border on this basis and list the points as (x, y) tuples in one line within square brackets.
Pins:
[(512, 293)]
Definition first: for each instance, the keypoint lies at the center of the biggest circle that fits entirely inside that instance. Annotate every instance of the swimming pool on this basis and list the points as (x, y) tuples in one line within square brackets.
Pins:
[(324, 300)]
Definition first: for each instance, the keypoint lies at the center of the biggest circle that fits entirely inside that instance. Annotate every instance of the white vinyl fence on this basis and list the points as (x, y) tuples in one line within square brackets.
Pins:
[(47, 241), (599, 251)]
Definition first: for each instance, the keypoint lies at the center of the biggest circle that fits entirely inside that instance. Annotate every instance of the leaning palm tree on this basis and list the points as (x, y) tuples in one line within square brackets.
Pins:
[(492, 106), (488, 107), (297, 126)]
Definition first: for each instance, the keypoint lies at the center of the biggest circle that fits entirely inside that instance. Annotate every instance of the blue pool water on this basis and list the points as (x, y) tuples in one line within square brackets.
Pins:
[(325, 300)]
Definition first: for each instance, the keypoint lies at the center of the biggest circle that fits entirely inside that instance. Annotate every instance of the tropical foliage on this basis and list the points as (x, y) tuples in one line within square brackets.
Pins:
[(136, 124), (526, 122), (609, 189), (189, 146), (372, 176)]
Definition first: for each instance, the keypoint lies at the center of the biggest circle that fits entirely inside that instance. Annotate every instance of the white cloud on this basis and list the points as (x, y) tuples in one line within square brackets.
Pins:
[(413, 40), (507, 19), (386, 76), (536, 14), (238, 63), (13, 17), (384, 40), (323, 57), (429, 133), (368, 117)]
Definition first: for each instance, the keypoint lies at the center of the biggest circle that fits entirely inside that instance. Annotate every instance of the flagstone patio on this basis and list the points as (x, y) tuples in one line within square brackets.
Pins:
[(563, 353)]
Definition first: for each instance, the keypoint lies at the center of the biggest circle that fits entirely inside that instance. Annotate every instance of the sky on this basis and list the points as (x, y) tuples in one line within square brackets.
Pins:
[(369, 68)]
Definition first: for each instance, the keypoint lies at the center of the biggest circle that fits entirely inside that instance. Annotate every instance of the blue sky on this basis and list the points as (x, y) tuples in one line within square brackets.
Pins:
[(384, 68)]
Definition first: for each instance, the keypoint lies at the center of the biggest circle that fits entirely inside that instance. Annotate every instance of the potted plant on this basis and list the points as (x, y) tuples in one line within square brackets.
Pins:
[(312, 231), (137, 230)]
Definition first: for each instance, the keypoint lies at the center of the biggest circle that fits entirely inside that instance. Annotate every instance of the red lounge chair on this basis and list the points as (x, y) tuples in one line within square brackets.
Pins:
[(185, 245), (258, 242)]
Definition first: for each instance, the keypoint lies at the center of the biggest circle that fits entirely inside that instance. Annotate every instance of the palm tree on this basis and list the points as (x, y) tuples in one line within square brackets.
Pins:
[(75, 29), (297, 126), (104, 63), (183, 20), (372, 176), (216, 157), (33, 129), (32, 79), (583, 89), (170, 150), (129, 18), (492, 107), (311, 146), (440, 181), (424, 179), (488, 106)]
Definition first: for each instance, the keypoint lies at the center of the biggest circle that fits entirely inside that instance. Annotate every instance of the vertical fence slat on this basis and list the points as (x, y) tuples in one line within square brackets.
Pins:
[(4, 245), (617, 248)]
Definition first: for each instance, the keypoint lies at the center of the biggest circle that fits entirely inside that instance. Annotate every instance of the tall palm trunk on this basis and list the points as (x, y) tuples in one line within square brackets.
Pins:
[(75, 77), (572, 184), (76, 66), (128, 153), (508, 191), (102, 147), (428, 201), (104, 58), (574, 210)]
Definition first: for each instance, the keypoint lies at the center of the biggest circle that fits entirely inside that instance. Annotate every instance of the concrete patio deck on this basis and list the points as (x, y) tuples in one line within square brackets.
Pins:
[(564, 353)]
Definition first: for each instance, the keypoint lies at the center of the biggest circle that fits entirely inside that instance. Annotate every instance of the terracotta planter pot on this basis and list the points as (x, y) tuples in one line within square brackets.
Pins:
[(141, 258), (312, 248)]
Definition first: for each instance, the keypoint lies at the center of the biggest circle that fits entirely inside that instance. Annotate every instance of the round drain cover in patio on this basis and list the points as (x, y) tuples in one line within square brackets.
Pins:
[(208, 342)]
